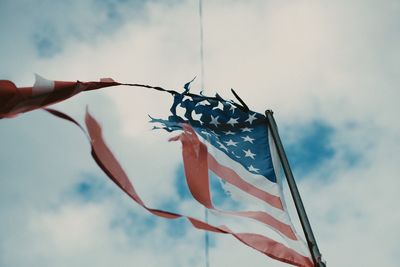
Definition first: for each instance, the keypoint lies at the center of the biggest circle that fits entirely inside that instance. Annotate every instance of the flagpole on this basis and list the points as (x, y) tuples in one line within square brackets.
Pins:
[(312, 243)]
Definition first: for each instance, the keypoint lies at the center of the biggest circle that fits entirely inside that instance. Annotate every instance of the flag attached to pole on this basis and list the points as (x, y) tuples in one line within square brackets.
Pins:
[(217, 136), (236, 145), (15, 100)]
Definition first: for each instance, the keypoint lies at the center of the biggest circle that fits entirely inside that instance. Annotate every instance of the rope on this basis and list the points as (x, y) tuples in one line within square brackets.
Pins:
[(206, 236), (201, 44)]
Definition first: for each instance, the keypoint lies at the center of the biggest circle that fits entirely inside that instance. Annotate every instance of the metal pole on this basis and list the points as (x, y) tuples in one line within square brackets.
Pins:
[(312, 243)]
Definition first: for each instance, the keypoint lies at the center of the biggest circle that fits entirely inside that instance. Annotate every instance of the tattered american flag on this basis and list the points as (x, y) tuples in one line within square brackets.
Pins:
[(235, 144), (217, 135)]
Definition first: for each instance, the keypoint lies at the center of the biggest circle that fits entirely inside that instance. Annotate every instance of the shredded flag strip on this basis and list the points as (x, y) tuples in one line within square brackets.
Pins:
[(217, 135), (15, 100)]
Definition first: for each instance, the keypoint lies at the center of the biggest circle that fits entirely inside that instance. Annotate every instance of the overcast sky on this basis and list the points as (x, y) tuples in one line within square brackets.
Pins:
[(328, 69)]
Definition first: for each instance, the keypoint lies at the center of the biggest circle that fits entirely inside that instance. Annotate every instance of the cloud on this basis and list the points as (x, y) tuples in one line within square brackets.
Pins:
[(328, 70)]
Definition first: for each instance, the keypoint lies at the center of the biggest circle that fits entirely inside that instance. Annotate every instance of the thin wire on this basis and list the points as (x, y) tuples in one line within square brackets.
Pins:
[(206, 240), (206, 237), (201, 44)]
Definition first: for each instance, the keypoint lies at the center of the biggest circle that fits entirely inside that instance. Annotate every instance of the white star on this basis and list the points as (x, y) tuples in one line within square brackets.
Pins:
[(247, 130), (214, 133), (251, 118), (249, 154), (201, 103), (235, 155), (229, 133), (186, 98), (248, 139), (219, 106), (206, 133), (214, 120), (221, 145), (233, 121), (197, 117), (232, 108), (252, 169), (231, 143)]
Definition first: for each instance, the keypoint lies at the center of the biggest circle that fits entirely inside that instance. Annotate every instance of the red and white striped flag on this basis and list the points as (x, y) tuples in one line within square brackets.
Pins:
[(236, 145), (198, 159), (15, 100), (216, 136)]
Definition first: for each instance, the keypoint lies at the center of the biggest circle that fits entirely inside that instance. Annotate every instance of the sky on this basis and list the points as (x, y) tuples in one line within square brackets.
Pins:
[(328, 69)]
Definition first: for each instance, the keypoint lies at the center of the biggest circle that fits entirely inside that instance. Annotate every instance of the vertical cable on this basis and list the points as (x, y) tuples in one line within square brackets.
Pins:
[(206, 235), (201, 44), (206, 240)]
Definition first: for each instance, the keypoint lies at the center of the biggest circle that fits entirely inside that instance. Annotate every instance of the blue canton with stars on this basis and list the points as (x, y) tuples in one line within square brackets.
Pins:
[(240, 134)]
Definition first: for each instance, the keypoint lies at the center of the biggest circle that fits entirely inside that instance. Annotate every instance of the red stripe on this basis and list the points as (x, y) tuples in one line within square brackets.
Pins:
[(195, 154), (111, 167), (14, 101), (233, 178), (61, 91), (268, 220), (227, 174), (274, 249), (64, 90)]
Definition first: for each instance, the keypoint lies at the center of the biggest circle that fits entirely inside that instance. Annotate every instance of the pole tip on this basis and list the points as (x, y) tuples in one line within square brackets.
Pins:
[(269, 111)]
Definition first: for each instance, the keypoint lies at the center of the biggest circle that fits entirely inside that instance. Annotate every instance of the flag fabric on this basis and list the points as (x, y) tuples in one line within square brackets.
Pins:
[(105, 159), (15, 100), (217, 136), (235, 144)]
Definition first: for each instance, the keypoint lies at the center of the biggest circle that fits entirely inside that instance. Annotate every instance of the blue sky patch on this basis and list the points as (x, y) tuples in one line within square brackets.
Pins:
[(311, 147), (47, 43), (133, 223), (92, 188), (177, 228), (180, 184)]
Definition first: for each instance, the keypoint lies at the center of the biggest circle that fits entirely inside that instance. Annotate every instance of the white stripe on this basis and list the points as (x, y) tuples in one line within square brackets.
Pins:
[(257, 180), (40, 91), (237, 225), (42, 86), (262, 183), (278, 173), (252, 179), (244, 197)]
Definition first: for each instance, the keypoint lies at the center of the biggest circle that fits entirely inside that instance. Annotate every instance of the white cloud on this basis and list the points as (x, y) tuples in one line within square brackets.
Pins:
[(329, 61)]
